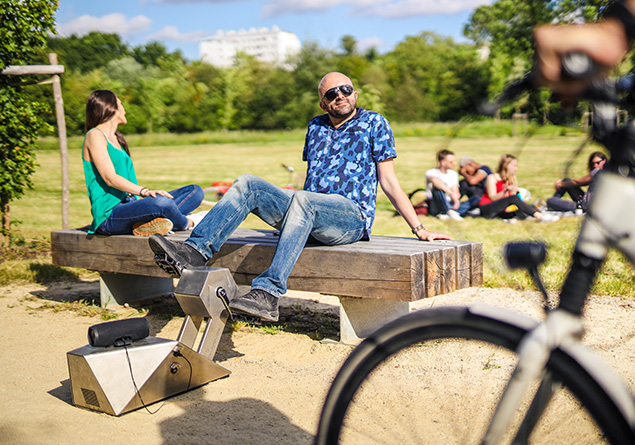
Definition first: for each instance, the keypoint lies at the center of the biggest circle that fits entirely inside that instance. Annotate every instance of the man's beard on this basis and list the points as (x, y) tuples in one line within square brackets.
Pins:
[(339, 115)]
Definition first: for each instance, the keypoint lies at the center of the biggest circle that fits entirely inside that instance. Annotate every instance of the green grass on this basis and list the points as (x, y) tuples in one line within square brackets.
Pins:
[(169, 161)]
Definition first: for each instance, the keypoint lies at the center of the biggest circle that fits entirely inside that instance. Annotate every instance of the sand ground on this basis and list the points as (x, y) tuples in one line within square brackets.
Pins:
[(278, 379)]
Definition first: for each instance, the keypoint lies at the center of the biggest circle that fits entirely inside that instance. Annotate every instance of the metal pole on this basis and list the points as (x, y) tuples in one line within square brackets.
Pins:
[(61, 130)]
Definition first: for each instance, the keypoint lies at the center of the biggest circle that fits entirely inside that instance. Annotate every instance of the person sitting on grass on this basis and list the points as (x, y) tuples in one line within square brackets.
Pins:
[(118, 204), (443, 189), (573, 187), (501, 199), (348, 150), (474, 177)]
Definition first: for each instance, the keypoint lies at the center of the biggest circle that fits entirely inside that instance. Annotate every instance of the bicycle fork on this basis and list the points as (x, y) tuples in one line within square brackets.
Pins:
[(533, 353)]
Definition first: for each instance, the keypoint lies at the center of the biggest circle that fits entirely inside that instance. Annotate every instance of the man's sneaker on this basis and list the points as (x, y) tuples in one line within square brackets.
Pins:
[(196, 218), (454, 215), (156, 225), (174, 257), (256, 303), (443, 216)]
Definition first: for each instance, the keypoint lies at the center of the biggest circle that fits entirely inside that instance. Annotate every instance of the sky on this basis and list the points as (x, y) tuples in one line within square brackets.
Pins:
[(181, 24)]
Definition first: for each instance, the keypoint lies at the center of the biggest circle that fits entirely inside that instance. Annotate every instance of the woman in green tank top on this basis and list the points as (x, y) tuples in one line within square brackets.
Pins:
[(118, 204)]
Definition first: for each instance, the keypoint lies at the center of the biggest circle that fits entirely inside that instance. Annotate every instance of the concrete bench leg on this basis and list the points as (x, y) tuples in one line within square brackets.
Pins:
[(121, 288), (360, 317)]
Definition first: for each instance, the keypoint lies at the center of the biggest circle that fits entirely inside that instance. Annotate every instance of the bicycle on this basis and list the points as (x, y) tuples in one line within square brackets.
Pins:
[(522, 378)]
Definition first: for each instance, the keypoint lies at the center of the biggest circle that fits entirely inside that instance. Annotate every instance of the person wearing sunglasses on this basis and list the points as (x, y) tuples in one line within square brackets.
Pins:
[(573, 187), (348, 150)]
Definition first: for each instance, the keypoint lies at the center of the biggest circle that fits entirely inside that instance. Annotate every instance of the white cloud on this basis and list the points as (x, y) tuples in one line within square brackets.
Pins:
[(180, 2), (413, 8), (172, 33), (371, 42), (378, 8), (111, 23)]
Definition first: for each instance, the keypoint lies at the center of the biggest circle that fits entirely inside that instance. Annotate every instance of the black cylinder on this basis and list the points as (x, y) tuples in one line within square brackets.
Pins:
[(119, 332)]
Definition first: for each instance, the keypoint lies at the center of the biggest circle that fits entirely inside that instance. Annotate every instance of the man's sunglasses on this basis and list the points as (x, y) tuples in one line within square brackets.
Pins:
[(331, 94)]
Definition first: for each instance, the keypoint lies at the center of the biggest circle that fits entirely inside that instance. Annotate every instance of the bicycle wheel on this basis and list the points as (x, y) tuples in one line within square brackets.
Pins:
[(436, 375)]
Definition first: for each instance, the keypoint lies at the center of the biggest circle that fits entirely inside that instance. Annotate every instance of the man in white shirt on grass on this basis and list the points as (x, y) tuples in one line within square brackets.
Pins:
[(443, 189)]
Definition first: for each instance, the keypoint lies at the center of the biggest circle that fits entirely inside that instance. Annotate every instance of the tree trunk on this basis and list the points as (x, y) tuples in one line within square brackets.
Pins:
[(6, 217)]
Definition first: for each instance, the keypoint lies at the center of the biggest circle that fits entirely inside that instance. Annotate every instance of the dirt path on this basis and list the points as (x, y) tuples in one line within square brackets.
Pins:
[(273, 396)]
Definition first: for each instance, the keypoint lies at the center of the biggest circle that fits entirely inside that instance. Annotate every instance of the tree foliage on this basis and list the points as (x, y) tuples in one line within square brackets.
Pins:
[(24, 25), (506, 27), (426, 77)]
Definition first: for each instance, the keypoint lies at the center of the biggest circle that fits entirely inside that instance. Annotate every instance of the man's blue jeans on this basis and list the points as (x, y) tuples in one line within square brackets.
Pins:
[(132, 211), (440, 203), (326, 218)]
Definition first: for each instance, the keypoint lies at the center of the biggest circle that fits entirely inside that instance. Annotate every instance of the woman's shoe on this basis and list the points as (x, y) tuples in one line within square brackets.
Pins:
[(156, 225)]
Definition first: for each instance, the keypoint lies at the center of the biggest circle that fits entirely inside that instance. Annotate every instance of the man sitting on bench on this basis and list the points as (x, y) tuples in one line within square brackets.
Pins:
[(348, 151)]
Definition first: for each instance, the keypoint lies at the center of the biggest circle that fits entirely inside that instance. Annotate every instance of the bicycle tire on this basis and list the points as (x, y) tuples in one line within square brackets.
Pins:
[(600, 392)]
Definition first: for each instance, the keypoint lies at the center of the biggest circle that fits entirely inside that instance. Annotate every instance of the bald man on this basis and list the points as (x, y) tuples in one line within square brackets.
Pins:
[(348, 151)]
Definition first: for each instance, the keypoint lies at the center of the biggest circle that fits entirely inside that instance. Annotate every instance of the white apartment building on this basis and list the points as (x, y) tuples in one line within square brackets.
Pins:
[(267, 45)]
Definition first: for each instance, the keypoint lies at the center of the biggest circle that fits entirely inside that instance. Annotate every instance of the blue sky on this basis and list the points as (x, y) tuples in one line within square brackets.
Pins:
[(180, 24)]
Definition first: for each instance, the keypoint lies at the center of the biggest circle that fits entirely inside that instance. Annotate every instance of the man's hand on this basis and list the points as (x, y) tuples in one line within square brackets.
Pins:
[(455, 197), (424, 235), (604, 42)]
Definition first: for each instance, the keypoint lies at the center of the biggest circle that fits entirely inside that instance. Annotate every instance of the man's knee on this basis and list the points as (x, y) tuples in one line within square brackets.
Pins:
[(301, 202)]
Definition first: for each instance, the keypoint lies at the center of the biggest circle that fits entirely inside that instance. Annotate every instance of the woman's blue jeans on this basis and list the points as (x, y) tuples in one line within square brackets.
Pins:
[(132, 211), (326, 218)]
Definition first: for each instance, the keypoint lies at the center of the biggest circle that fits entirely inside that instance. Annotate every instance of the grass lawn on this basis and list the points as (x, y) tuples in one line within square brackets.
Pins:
[(169, 161)]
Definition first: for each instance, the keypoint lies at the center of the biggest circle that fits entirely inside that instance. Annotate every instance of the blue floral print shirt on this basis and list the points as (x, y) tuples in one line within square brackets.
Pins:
[(344, 160)]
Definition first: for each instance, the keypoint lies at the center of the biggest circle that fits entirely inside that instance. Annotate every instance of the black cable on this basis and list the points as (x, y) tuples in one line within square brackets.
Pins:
[(177, 353), (137, 389)]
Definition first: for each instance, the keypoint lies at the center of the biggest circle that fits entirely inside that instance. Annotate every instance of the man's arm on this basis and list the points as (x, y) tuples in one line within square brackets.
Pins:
[(452, 192), (390, 185), (474, 179)]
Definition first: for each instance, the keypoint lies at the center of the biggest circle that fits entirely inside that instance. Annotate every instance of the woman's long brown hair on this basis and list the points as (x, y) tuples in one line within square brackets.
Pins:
[(503, 171), (101, 107)]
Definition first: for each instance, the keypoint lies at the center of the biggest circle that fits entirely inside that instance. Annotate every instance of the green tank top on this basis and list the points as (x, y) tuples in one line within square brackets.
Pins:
[(104, 198)]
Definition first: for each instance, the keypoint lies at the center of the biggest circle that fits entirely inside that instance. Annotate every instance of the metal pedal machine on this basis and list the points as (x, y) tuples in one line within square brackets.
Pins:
[(116, 379)]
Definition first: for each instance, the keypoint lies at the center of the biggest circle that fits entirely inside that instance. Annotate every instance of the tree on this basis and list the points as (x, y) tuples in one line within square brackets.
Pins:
[(89, 52), (24, 25), (433, 78)]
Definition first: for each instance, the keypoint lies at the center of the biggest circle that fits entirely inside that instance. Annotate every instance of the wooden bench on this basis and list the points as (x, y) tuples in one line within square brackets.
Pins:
[(375, 280)]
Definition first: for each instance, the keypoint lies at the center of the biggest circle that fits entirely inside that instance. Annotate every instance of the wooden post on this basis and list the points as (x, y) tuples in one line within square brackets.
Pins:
[(53, 69), (61, 132)]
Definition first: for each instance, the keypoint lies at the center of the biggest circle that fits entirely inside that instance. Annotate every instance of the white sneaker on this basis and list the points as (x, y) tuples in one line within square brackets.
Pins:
[(453, 214), (443, 217), (549, 217), (197, 218)]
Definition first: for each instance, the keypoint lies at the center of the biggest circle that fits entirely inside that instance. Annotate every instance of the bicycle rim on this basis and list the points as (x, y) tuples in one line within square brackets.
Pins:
[(435, 376)]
